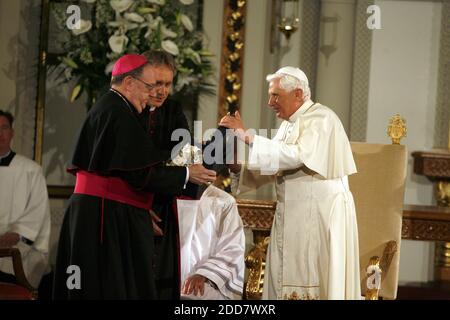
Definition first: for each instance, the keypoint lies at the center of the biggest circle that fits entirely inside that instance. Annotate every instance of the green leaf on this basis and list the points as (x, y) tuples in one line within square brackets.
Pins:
[(206, 53), (69, 62), (76, 92), (143, 11)]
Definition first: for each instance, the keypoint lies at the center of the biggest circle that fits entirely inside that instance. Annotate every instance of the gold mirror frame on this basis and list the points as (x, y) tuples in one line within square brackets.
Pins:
[(232, 56), (53, 191), (229, 86), (42, 77)]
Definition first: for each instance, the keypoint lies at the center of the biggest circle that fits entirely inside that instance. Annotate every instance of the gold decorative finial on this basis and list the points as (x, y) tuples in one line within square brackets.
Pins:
[(396, 129)]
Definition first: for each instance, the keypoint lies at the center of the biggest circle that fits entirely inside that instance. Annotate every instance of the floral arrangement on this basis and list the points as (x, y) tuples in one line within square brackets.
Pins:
[(110, 28), (187, 155)]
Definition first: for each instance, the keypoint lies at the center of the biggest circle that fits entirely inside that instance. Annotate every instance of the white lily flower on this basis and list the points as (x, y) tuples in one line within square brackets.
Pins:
[(121, 5), (118, 42), (85, 26), (167, 33), (127, 26), (158, 2), (151, 24), (193, 55), (109, 67), (134, 17), (187, 23), (192, 154), (189, 154), (123, 24), (68, 73), (184, 80), (170, 47)]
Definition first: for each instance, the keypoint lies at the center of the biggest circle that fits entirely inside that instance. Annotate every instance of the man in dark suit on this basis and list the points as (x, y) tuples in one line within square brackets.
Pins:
[(165, 116)]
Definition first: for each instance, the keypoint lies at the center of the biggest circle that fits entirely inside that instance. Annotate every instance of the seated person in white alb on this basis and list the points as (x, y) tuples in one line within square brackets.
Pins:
[(212, 245), (24, 209)]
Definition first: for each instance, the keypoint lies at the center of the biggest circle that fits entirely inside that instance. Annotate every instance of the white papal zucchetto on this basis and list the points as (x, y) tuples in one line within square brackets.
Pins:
[(294, 72)]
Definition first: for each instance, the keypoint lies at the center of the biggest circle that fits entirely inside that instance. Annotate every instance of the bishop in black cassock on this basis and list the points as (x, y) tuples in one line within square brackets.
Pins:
[(107, 230)]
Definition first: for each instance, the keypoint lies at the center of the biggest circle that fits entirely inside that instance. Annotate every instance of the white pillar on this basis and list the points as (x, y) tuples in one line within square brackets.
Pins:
[(9, 27), (335, 61), (212, 25)]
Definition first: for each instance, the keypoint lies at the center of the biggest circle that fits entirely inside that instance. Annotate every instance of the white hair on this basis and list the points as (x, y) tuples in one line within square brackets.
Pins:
[(289, 83)]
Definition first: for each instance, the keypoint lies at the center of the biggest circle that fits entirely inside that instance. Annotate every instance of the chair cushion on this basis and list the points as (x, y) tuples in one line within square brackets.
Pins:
[(11, 291)]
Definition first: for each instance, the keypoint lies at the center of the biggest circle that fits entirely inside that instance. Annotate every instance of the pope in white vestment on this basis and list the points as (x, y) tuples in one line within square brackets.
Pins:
[(212, 244), (313, 251), (25, 210)]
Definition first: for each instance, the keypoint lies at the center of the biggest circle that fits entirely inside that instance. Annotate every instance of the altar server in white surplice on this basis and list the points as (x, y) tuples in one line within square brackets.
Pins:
[(212, 245), (313, 249), (24, 209)]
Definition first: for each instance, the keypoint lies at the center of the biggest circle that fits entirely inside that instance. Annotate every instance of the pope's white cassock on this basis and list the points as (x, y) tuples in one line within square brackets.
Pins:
[(212, 243), (313, 250), (24, 209)]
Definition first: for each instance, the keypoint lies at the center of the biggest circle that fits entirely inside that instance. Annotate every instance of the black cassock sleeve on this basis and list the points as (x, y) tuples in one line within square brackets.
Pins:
[(113, 142), (157, 179)]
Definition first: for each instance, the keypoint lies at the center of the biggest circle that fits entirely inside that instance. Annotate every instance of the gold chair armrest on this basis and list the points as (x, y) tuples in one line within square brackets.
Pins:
[(388, 255), (377, 270), (255, 261)]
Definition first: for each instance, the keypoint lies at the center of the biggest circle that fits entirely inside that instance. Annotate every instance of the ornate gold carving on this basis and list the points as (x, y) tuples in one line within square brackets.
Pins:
[(231, 77), (426, 223), (443, 256), (232, 98), (378, 269), (419, 223), (305, 296), (256, 214), (256, 262), (434, 164), (235, 16), (425, 230), (42, 76), (388, 255), (442, 261), (443, 193), (232, 57), (396, 129), (373, 285)]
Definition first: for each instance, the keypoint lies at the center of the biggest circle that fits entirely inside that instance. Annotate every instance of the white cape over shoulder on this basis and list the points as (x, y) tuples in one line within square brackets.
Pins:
[(212, 241)]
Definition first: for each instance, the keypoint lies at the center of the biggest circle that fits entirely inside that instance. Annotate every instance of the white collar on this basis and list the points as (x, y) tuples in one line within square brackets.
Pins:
[(303, 108)]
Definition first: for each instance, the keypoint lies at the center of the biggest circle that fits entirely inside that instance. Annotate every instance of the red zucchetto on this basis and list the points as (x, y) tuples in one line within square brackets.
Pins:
[(128, 63)]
